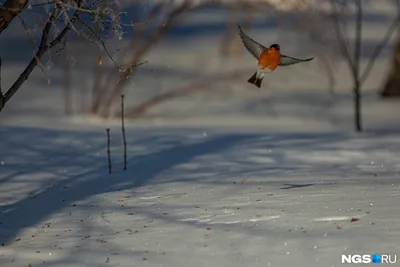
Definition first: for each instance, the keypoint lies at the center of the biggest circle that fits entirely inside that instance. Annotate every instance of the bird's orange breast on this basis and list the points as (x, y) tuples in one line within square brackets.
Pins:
[(269, 59)]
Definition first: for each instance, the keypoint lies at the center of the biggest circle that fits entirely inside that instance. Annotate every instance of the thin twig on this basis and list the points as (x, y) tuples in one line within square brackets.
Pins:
[(124, 73), (154, 37), (125, 68), (43, 4), (32, 41), (103, 44), (64, 42), (78, 8), (358, 39), (68, 20), (108, 150), (339, 34), (123, 130)]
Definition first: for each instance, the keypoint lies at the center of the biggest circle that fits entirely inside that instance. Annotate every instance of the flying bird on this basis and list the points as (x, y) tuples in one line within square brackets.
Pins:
[(268, 58)]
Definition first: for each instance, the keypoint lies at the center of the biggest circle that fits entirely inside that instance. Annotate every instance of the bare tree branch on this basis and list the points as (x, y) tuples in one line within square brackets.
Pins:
[(43, 48), (378, 49), (171, 18), (341, 39), (9, 11), (1, 92), (358, 39), (102, 43), (104, 14), (209, 85), (64, 32), (354, 61), (356, 67), (32, 41)]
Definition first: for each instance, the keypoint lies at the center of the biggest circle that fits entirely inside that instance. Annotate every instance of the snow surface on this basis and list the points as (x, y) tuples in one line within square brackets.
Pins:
[(194, 198), (230, 177)]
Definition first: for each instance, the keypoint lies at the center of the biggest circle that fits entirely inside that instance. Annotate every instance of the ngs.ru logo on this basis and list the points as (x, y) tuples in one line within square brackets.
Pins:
[(369, 258)]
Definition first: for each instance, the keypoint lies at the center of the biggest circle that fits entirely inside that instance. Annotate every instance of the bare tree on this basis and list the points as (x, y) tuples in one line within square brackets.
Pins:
[(353, 59), (164, 14), (236, 8), (155, 20), (44, 46), (60, 18)]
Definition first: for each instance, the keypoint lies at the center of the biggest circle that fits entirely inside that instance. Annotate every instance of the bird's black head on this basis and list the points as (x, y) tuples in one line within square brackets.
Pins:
[(276, 46)]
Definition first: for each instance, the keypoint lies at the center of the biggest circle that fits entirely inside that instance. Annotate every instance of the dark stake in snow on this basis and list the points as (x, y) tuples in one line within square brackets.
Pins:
[(108, 150), (123, 129)]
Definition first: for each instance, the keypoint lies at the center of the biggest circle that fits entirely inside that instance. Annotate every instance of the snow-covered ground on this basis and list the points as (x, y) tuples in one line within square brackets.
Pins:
[(230, 177), (197, 197)]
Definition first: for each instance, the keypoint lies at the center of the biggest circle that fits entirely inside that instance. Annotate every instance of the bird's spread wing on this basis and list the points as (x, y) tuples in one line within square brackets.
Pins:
[(286, 60), (252, 46)]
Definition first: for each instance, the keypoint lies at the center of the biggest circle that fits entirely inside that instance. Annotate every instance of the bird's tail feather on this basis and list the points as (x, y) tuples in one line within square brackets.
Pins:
[(256, 81)]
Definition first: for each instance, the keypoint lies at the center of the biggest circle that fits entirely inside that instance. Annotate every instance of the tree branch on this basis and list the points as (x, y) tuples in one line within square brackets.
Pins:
[(102, 43), (378, 48), (32, 41), (2, 101), (64, 32), (339, 34), (1, 92), (43, 48), (191, 88), (9, 11), (357, 44), (170, 19)]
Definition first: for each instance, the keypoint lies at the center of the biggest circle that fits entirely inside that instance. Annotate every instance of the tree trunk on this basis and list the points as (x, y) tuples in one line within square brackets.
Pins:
[(66, 80), (392, 84), (357, 108), (2, 98), (9, 11)]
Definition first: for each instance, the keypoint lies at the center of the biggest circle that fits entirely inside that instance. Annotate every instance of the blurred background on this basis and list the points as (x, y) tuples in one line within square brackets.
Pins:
[(183, 63)]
